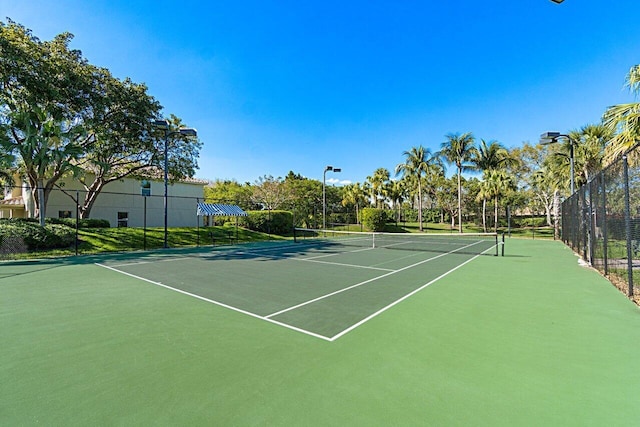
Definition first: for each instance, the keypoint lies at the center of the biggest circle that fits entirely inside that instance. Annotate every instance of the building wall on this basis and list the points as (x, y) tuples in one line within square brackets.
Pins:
[(125, 197)]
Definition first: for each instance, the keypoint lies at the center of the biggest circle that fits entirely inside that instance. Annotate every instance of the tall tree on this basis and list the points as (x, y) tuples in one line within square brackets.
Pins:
[(397, 192), (306, 199), (7, 165), (354, 195), (459, 150), (489, 157), (624, 120), (271, 193), (377, 182), (590, 149), (228, 191), (492, 155), (45, 88), (419, 161), (498, 183)]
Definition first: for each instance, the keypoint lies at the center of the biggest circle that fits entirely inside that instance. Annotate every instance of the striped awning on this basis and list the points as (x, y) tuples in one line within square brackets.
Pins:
[(214, 209)]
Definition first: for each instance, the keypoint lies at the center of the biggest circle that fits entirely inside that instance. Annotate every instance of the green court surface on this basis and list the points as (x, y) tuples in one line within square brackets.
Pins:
[(312, 336)]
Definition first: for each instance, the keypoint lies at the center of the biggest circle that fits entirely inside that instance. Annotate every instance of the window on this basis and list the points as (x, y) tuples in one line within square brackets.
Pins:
[(123, 219), (64, 214), (145, 188)]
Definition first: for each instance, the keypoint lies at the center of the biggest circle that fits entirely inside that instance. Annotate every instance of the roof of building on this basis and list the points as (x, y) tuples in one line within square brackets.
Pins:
[(13, 202)]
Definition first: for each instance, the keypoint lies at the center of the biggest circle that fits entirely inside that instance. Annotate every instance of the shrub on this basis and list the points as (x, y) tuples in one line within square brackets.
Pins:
[(51, 236), (374, 219), (275, 222)]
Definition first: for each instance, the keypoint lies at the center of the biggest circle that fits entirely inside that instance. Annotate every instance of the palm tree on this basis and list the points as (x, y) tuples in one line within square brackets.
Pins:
[(419, 161), (397, 191), (589, 152), (624, 120), (488, 157), (483, 195), (6, 164), (377, 181), (459, 150), (492, 155), (498, 182), (354, 194)]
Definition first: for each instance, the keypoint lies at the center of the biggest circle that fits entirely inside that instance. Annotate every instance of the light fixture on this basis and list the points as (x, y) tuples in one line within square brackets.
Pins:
[(164, 126), (324, 194), (552, 138)]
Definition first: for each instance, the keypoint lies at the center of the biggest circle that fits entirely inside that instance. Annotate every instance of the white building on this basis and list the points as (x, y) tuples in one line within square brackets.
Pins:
[(123, 203)]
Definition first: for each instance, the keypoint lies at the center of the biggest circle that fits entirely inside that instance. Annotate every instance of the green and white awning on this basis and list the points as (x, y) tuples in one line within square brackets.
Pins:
[(214, 209)]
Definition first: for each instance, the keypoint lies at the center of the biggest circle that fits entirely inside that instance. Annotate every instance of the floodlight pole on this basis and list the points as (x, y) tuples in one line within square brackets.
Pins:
[(324, 194), (552, 138), (164, 126)]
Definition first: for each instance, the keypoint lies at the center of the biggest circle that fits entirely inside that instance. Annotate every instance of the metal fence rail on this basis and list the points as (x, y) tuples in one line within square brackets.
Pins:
[(601, 222)]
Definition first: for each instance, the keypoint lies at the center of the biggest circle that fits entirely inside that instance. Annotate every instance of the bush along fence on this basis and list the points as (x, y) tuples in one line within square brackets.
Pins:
[(601, 222)]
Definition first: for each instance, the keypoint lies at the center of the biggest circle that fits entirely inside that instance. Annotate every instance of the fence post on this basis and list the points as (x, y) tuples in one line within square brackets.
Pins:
[(584, 224), (603, 219), (197, 222), (77, 219), (627, 224), (591, 223)]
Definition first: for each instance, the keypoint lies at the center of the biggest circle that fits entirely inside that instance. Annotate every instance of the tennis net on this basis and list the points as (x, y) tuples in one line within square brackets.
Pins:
[(466, 243)]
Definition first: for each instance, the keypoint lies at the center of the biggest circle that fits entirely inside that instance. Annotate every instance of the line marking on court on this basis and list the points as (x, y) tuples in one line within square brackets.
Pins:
[(342, 264), (365, 282), (415, 291), (248, 313)]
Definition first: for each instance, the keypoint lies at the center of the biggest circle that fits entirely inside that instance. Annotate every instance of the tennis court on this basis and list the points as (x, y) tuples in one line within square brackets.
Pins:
[(528, 339), (325, 284)]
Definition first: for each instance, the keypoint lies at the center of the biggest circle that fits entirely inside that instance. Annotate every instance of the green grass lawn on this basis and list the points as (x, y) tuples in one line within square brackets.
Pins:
[(528, 339)]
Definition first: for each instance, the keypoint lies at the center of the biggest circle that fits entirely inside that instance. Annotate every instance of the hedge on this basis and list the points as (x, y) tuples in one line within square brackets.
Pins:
[(274, 222), (374, 219), (35, 237)]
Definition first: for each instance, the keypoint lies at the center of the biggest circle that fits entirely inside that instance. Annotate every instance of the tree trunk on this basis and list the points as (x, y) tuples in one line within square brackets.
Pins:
[(496, 215), (484, 214), (556, 214), (419, 205), (459, 201), (90, 198)]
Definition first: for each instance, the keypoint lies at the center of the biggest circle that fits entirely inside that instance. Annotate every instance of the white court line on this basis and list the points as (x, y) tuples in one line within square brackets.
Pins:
[(342, 264), (365, 282), (214, 302), (382, 310)]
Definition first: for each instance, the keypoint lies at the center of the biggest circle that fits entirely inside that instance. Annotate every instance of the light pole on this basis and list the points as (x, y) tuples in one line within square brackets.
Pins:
[(324, 194), (164, 125), (551, 138)]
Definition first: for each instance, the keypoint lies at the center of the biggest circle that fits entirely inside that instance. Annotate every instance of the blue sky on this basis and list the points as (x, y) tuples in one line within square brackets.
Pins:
[(274, 86)]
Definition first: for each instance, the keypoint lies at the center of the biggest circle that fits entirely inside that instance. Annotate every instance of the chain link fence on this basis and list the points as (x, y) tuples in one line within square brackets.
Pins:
[(119, 221), (601, 223)]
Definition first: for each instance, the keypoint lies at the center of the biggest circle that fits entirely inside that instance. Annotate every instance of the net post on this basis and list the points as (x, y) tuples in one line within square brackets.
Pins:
[(295, 236), (497, 244), (502, 244)]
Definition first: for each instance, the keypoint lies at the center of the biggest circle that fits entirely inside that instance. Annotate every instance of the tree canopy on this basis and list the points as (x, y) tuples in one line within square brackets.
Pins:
[(61, 115)]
